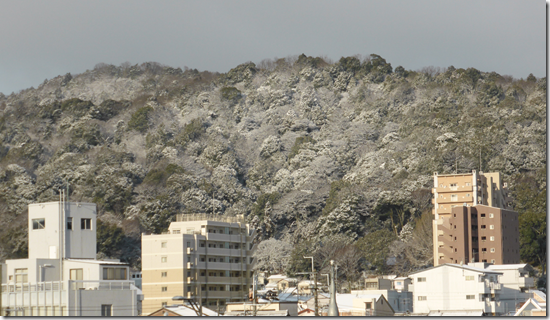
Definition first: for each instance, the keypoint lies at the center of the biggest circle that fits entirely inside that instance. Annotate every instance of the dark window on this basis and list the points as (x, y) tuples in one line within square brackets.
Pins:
[(69, 223), (86, 224), (106, 310), (38, 223), (114, 273)]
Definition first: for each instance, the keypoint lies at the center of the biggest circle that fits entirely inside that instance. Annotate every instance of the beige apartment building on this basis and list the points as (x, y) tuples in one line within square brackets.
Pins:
[(205, 257), (469, 190)]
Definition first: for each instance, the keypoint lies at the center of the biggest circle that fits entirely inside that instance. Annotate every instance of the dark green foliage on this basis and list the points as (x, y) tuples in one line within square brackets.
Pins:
[(400, 71), (531, 78), (109, 239), (110, 108), (191, 131), (297, 262), (532, 236), (350, 64), (263, 199), (298, 144), (375, 248), (158, 177), (140, 119), (230, 93), (76, 106), (338, 190), (88, 134), (243, 72), (316, 62)]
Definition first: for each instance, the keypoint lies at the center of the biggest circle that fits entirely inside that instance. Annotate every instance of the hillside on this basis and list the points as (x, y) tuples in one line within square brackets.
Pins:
[(303, 148)]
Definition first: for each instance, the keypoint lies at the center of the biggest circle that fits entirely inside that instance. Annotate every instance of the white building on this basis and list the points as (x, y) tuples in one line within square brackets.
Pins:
[(394, 289), (61, 276), (515, 282), (457, 287)]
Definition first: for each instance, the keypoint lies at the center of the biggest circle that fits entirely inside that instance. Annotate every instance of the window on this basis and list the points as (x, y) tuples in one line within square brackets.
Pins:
[(188, 273), (188, 244), (483, 238), (483, 249), (21, 275), (492, 238), (483, 215), (163, 244), (85, 224), (492, 249), (422, 298), (106, 310), (164, 303), (190, 230), (421, 279), (163, 259), (492, 227), (492, 260), (470, 297), (164, 274), (38, 223), (176, 231), (69, 223), (467, 184), (469, 278), (188, 259), (491, 215), (164, 289), (454, 197), (114, 273), (467, 195)]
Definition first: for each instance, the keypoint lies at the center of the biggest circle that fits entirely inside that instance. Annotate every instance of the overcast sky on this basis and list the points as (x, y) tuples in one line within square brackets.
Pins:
[(42, 39)]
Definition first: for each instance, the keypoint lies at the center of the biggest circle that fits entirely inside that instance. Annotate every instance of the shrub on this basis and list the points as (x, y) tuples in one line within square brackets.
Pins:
[(159, 176), (230, 93), (191, 131), (298, 144), (110, 108), (76, 106), (140, 119)]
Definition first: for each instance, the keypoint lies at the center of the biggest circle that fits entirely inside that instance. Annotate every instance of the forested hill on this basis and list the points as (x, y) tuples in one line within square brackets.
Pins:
[(311, 152)]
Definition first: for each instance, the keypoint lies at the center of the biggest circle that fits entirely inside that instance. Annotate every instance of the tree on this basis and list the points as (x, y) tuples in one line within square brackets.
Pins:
[(375, 248), (272, 256), (532, 238)]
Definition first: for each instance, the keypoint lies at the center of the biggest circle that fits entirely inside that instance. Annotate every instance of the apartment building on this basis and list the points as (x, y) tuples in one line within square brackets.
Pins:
[(201, 256), (478, 234), (394, 289), (456, 287), (480, 190), (61, 276)]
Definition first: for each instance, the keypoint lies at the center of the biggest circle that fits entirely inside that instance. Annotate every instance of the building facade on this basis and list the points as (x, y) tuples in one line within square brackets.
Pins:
[(478, 234), (204, 257), (457, 287), (451, 192), (61, 277)]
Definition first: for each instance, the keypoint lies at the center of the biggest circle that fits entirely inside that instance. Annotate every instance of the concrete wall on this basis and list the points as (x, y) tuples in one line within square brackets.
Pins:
[(44, 243)]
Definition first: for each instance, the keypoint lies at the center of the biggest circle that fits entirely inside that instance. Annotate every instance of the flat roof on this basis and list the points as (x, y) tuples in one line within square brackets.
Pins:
[(460, 267), (97, 261), (507, 266)]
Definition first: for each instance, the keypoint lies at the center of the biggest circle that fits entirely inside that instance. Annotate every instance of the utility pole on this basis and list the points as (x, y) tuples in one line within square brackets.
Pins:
[(314, 285)]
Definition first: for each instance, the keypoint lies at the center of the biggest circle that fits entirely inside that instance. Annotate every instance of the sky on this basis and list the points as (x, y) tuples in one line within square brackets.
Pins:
[(43, 39)]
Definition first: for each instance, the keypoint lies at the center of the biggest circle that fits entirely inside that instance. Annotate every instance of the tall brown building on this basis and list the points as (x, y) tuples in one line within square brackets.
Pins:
[(454, 193)]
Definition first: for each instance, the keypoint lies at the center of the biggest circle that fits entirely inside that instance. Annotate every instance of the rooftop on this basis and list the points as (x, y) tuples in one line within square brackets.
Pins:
[(211, 217)]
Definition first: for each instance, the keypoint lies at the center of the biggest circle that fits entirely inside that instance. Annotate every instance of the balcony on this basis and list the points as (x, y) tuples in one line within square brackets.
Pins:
[(217, 280)]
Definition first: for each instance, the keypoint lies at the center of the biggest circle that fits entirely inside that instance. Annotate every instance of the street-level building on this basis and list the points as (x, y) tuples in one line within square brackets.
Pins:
[(457, 287), (201, 256), (61, 277), (475, 189)]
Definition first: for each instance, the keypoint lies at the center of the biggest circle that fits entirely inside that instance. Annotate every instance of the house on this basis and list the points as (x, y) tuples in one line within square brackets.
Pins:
[(532, 308), (181, 311), (306, 287), (362, 305), (61, 276), (515, 282), (202, 256), (457, 287), (394, 289), (306, 313)]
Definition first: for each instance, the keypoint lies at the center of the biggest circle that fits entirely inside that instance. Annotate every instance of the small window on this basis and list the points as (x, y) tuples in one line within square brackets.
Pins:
[(454, 197), (188, 244), (114, 273), (482, 215), (164, 304), (483, 238), (483, 226), (422, 298), (467, 184), (164, 289), (69, 223), (492, 238), (470, 297), (491, 215), (38, 223), (492, 249), (176, 231), (163, 259), (163, 244), (467, 195), (85, 224), (483, 249), (492, 227), (469, 278), (106, 310), (422, 279), (190, 230), (492, 260), (164, 274)]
